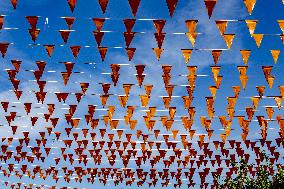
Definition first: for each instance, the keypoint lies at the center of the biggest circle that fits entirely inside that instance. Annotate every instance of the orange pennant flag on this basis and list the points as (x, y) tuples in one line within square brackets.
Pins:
[(229, 39), (251, 24), (245, 55), (275, 55), (216, 54), (250, 5), (191, 37), (1, 21), (186, 54), (281, 25), (158, 52), (14, 3), (222, 25)]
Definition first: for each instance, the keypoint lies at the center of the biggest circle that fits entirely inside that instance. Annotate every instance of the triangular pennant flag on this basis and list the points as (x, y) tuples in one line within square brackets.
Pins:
[(129, 24), (229, 39), (128, 37), (258, 39), (99, 22), (127, 88), (4, 48), (49, 49), (134, 4), (69, 21), (275, 55), (172, 6), (282, 37), (191, 25), (244, 79), (34, 33), (251, 24), (222, 26), (245, 55), (130, 53), (250, 5), (186, 54), (159, 25), (98, 36), (158, 51), (216, 54), (191, 37), (103, 51), (103, 4), (210, 5), (281, 25), (72, 4), (16, 64), (65, 35), (1, 21), (69, 66), (32, 21), (160, 38), (270, 81), (84, 87), (65, 77), (14, 3), (75, 50)]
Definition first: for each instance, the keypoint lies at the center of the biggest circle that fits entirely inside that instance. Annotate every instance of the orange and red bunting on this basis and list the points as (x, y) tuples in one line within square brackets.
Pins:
[(169, 105)]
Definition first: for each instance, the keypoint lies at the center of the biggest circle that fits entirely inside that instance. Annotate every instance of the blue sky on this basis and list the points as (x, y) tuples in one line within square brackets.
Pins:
[(24, 49)]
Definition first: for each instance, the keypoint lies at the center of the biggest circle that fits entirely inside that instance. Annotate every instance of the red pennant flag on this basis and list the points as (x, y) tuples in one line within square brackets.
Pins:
[(49, 49), (75, 50), (69, 66), (130, 53), (103, 51), (65, 35), (69, 21), (128, 37), (99, 22), (32, 21), (4, 48), (129, 24), (134, 4), (210, 5), (98, 36), (159, 25), (172, 6), (72, 4), (103, 4), (34, 33)]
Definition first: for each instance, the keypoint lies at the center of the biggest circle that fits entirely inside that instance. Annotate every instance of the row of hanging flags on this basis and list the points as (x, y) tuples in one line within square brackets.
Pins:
[(95, 150)]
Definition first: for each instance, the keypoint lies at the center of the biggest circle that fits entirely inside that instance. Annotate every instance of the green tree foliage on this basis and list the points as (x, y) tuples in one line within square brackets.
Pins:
[(263, 179)]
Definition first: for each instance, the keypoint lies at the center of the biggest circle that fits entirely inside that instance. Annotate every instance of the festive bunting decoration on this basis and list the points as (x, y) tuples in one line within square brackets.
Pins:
[(105, 112)]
